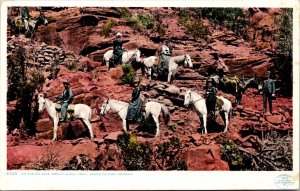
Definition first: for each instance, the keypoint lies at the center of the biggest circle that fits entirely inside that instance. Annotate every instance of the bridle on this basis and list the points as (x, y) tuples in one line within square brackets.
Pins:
[(193, 102), (115, 111)]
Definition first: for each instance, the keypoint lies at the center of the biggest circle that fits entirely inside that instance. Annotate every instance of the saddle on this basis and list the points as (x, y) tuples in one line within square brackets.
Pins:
[(219, 103), (234, 81), (20, 23), (70, 110)]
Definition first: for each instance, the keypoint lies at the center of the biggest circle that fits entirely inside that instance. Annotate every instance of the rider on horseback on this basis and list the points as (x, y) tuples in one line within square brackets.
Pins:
[(118, 50), (134, 112), (25, 17), (211, 93), (65, 99)]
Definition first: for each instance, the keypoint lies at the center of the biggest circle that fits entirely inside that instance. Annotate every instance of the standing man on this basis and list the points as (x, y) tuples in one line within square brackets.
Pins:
[(268, 92), (211, 93), (25, 17), (118, 50), (65, 100)]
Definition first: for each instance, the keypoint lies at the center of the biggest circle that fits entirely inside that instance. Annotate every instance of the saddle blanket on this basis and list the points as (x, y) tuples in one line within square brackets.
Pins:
[(219, 103), (71, 107)]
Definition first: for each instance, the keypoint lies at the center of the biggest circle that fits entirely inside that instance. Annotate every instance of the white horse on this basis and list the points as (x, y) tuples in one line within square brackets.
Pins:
[(81, 111), (174, 62), (200, 105), (121, 108), (177, 61), (126, 57)]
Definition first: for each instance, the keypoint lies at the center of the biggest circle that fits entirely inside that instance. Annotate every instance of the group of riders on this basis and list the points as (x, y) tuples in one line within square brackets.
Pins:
[(134, 113), (135, 107)]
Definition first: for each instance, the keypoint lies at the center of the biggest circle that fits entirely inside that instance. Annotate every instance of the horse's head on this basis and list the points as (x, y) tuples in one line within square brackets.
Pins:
[(42, 19), (188, 61), (105, 107), (187, 98), (41, 101)]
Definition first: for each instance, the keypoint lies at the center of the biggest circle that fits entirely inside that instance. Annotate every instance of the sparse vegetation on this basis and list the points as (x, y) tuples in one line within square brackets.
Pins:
[(80, 162), (284, 52), (135, 155), (275, 154), (193, 25), (22, 83), (106, 28), (128, 74), (234, 19), (71, 64)]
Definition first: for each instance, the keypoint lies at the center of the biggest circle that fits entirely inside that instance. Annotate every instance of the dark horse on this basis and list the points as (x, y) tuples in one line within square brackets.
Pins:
[(234, 85), (17, 25)]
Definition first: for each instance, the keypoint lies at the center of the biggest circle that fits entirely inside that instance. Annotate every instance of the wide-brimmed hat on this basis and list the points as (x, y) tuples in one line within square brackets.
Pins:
[(209, 80), (66, 82), (118, 34)]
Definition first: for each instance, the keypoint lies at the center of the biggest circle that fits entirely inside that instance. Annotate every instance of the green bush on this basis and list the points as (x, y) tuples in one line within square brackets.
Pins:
[(106, 28), (233, 18), (193, 25), (123, 11), (237, 160), (283, 59), (135, 155), (128, 74), (22, 83)]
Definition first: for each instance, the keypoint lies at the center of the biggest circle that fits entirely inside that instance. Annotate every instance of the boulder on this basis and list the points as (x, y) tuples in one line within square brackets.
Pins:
[(274, 119), (113, 136), (205, 157), (173, 90)]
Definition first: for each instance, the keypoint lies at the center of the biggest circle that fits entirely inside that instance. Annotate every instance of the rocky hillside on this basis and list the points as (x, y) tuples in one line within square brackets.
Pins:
[(80, 36)]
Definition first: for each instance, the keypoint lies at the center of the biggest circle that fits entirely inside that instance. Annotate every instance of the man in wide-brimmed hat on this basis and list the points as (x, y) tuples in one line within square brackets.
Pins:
[(118, 49), (65, 99)]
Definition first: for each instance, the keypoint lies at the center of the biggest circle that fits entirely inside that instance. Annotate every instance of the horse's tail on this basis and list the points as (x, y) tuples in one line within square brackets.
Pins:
[(166, 113), (90, 114)]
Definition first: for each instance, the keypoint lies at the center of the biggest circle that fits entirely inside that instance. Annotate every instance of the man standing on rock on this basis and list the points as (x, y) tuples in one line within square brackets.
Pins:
[(118, 50), (134, 112), (268, 92), (211, 93), (65, 99)]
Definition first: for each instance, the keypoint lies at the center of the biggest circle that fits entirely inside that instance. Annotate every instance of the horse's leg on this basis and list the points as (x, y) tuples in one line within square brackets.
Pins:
[(226, 120), (55, 123), (125, 125), (205, 123), (169, 76), (89, 126), (149, 73), (155, 117)]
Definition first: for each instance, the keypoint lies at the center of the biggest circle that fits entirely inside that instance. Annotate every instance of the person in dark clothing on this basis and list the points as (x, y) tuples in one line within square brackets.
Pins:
[(65, 100), (134, 112), (170, 46), (268, 92), (118, 50), (211, 93), (25, 16)]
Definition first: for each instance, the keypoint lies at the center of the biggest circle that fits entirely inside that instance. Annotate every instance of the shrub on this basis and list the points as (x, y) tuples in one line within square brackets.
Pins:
[(135, 155), (71, 64), (106, 28), (237, 160), (80, 162), (284, 52), (22, 83), (193, 25), (124, 12), (128, 74)]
